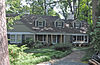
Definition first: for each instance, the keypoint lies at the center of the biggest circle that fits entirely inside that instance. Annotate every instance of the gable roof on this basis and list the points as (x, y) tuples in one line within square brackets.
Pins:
[(29, 19)]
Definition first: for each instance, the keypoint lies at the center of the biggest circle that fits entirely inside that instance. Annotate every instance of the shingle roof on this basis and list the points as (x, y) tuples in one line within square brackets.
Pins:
[(29, 20)]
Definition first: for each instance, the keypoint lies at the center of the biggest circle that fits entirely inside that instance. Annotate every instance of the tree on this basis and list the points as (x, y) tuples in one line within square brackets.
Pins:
[(96, 25), (95, 4), (4, 60)]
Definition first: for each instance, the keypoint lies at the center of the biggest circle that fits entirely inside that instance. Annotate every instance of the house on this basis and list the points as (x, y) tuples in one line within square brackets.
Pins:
[(49, 29)]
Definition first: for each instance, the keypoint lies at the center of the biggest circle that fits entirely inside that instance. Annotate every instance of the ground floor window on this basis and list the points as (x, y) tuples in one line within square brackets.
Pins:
[(80, 39), (15, 38)]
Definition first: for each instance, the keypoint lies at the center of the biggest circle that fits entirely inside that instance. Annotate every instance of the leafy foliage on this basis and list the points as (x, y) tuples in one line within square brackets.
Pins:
[(89, 54), (96, 37), (62, 47), (19, 57)]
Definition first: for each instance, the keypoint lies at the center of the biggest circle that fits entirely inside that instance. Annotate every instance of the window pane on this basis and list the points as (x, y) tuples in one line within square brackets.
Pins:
[(18, 38), (54, 39), (77, 24), (40, 24), (78, 38), (82, 38), (13, 36), (74, 38), (12, 40), (59, 24)]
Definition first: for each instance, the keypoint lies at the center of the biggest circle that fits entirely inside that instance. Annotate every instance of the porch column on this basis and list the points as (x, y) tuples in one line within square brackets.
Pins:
[(47, 38), (51, 38), (76, 38), (37, 38), (64, 39), (61, 38), (42, 37), (34, 37), (84, 38)]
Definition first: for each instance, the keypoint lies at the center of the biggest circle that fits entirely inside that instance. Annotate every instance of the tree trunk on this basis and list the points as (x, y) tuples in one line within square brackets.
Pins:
[(4, 60), (95, 3)]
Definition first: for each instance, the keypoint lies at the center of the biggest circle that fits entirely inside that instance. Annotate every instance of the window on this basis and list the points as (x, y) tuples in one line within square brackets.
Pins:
[(59, 24), (12, 38), (77, 24), (40, 24), (80, 39), (15, 38)]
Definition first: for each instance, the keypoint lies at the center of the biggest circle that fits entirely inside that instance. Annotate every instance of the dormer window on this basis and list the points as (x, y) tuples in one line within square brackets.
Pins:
[(40, 22), (59, 23), (77, 24)]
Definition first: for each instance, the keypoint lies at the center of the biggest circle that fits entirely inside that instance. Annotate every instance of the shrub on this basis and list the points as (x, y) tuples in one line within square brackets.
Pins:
[(62, 47), (89, 53), (19, 57), (29, 43)]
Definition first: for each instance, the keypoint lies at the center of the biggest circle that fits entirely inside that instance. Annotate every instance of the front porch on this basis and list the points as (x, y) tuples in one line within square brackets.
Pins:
[(49, 38)]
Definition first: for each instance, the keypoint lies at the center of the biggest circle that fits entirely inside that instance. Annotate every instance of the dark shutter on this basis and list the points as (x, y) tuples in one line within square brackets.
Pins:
[(23, 38), (8, 38), (44, 23), (56, 24), (80, 25), (34, 23), (62, 24), (74, 24), (37, 23)]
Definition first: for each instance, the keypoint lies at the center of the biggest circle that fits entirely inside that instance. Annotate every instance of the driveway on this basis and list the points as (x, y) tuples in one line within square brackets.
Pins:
[(72, 59)]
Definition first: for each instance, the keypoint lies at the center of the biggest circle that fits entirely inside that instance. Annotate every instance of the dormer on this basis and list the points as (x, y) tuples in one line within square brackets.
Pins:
[(59, 23), (77, 24), (40, 22)]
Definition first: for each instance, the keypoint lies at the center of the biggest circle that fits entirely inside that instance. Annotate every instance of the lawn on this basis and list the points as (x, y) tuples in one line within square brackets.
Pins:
[(51, 53)]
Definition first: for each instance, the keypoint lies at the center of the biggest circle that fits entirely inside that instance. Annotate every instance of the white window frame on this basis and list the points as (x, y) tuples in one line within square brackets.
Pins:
[(60, 24), (16, 38), (83, 39), (74, 24), (11, 38), (41, 24)]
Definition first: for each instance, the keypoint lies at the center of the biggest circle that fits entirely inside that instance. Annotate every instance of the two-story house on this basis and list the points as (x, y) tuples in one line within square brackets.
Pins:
[(49, 29)]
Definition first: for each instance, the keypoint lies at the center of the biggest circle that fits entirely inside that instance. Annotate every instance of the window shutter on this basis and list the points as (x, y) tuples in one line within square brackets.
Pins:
[(8, 37), (62, 24), (74, 24), (34, 23), (37, 23), (80, 25), (56, 24), (23, 38), (44, 23)]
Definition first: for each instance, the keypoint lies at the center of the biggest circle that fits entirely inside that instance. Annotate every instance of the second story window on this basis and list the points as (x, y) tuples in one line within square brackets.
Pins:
[(40, 24), (59, 24), (77, 24)]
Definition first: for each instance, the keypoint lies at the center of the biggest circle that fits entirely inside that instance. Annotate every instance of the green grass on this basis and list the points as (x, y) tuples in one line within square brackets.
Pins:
[(49, 52), (80, 48)]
